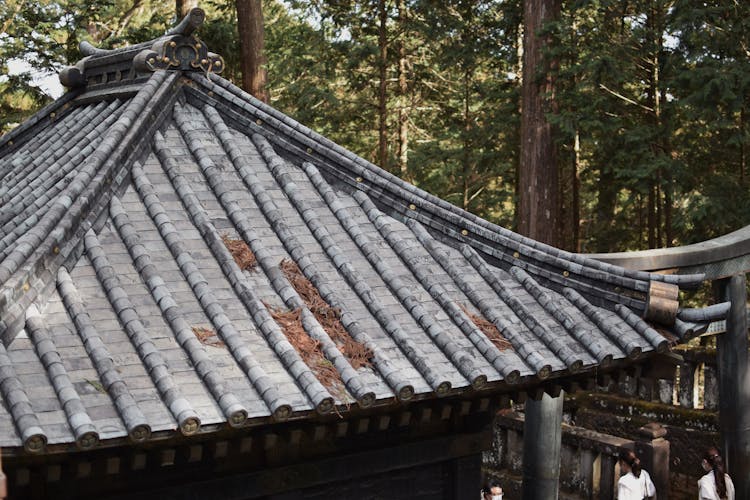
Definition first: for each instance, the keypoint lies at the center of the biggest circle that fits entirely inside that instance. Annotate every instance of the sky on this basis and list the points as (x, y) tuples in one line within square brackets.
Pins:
[(48, 82)]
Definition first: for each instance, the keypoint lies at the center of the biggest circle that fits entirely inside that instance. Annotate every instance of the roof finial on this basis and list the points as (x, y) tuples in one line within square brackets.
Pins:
[(192, 21), (179, 49)]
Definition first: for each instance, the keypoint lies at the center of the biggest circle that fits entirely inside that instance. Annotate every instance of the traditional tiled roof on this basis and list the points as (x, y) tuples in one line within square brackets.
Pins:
[(176, 257)]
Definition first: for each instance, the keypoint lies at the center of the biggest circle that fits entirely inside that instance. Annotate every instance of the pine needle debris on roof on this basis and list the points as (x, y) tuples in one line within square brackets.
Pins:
[(308, 348), (243, 256), (489, 329), (207, 336), (328, 317)]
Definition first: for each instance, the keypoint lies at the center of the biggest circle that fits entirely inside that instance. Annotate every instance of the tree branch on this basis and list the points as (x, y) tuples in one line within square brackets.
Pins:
[(629, 101)]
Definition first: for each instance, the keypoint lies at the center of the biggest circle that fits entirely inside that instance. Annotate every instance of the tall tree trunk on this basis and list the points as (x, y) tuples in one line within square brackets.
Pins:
[(517, 159), (661, 147), (651, 215), (382, 95), (466, 146), (569, 188), (538, 215), (659, 214), (575, 180), (668, 197), (403, 90), (604, 215), (667, 179), (182, 7), (743, 151), (641, 228), (252, 45)]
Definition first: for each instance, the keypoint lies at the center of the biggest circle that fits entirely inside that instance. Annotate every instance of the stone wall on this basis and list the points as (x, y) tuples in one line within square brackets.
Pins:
[(588, 459), (690, 432), (617, 421)]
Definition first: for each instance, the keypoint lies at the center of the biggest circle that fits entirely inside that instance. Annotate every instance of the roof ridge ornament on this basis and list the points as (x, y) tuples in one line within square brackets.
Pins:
[(179, 49), (662, 302), (191, 22)]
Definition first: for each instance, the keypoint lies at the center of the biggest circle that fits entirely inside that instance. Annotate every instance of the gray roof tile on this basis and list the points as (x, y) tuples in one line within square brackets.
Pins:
[(135, 189)]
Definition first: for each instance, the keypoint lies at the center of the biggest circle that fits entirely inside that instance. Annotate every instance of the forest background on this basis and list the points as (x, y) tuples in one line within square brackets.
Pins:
[(649, 113)]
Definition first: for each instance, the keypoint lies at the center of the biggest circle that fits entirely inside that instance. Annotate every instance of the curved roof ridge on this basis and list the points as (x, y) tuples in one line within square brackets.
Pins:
[(424, 201), (712, 256)]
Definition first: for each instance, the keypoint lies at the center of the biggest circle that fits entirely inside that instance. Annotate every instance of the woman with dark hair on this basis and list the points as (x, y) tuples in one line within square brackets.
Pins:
[(493, 492), (716, 485), (635, 483)]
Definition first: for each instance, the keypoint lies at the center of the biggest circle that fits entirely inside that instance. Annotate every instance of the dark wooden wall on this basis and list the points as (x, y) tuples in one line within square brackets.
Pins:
[(452, 479), (427, 449)]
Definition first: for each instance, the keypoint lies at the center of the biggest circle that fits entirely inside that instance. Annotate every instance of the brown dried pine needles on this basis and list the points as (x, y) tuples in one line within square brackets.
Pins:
[(489, 329), (328, 317), (308, 348), (243, 256), (207, 336)]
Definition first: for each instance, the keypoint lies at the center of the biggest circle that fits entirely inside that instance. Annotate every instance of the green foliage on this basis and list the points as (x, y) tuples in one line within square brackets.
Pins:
[(460, 105), (18, 100), (469, 150), (712, 91), (46, 33), (657, 91)]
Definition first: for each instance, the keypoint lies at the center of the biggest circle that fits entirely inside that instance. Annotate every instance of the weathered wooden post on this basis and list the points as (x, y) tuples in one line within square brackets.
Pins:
[(734, 384), (542, 441)]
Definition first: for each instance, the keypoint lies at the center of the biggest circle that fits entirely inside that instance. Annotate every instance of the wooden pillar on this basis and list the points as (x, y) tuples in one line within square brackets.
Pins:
[(542, 441), (734, 384)]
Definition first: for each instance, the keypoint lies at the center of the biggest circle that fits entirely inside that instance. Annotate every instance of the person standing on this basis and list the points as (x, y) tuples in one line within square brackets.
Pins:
[(716, 484), (635, 483), (494, 492)]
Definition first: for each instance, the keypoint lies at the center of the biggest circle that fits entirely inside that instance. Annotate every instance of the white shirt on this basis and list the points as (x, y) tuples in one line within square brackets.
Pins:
[(630, 487), (707, 487)]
